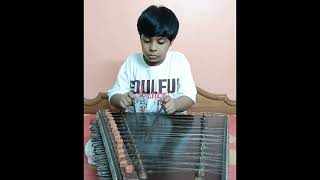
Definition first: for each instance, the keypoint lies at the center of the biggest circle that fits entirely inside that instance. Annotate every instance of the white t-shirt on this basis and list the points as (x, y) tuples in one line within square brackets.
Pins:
[(172, 77)]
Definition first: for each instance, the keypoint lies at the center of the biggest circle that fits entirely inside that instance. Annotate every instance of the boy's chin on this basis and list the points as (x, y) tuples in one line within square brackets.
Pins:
[(153, 60)]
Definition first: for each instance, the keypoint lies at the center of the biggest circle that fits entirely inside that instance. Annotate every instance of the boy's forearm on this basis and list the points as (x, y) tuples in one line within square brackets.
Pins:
[(115, 100), (183, 103)]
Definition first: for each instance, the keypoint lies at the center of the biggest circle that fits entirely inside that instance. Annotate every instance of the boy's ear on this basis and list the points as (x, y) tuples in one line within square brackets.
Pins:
[(171, 42)]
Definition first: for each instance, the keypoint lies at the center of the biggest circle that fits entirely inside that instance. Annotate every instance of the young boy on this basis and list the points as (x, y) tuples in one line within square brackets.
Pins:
[(156, 76)]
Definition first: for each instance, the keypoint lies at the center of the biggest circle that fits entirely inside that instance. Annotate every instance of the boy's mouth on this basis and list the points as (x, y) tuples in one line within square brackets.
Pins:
[(152, 57)]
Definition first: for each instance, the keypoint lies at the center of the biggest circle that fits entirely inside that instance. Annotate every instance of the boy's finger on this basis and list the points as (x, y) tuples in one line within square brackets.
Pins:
[(125, 102), (170, 111), (166, 99), (162, 99), (131, 95), (166, 106), (122, 105), (128, 99)]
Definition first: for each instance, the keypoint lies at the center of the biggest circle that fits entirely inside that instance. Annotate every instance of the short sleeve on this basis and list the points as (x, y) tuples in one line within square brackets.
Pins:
[(122, 84), (186, 85)]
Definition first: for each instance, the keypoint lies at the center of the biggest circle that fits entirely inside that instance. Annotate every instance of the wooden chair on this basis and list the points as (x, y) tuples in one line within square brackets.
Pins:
[(206, 102)]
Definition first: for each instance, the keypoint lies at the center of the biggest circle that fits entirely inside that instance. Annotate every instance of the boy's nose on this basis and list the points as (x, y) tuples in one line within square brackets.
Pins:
[(153, 47)]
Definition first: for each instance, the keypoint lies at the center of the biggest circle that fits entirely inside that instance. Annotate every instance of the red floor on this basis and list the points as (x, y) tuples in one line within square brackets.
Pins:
[(90, 171)]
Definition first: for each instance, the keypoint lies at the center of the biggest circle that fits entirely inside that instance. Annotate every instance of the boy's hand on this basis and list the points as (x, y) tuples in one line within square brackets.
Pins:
[(168, 103), (127, 100)]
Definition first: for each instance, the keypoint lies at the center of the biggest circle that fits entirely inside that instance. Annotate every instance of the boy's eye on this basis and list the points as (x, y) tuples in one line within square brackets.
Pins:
[(146, 40), (161, 42)]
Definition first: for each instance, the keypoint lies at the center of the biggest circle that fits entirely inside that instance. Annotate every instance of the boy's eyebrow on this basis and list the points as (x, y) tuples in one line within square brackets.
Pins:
[(160, 38), (156, 37)]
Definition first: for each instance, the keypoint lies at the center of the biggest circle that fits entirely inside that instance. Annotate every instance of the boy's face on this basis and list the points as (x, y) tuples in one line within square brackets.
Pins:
[(154, 49)]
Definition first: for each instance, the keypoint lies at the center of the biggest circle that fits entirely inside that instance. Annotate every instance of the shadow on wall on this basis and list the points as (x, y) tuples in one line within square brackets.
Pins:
[(111, 67), (102, 78)]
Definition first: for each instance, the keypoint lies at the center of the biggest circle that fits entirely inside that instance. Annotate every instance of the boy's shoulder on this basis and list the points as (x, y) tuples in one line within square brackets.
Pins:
[(134, 56), (174, 56), (176, 53), (177, 57)]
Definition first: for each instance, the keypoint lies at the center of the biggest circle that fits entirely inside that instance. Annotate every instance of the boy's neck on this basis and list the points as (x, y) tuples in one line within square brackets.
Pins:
[(153, 64)]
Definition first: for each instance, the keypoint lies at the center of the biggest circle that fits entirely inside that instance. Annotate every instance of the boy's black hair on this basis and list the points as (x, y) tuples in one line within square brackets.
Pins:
[(158, 21)]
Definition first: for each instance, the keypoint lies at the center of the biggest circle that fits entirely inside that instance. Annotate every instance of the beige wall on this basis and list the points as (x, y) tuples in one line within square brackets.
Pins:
[(207, 37)]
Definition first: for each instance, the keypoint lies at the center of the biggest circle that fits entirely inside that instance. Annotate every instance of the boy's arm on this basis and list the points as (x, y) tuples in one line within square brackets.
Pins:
[(186, 92), (115, 100), (180, 104), (122, 100), (183, 103), (120, 87)]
